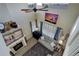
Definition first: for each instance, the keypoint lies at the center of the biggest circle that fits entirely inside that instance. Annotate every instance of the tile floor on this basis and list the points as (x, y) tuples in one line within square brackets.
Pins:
[(30, 43)]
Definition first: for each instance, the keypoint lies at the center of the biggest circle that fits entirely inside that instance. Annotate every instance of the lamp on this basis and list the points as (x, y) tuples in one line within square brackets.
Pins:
[(61, 41)]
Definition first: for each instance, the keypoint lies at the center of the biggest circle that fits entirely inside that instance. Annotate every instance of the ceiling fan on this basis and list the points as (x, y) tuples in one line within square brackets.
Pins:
[(35, 9)]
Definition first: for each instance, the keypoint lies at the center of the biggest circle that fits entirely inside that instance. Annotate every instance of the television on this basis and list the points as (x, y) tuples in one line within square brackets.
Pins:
[(51, 17)]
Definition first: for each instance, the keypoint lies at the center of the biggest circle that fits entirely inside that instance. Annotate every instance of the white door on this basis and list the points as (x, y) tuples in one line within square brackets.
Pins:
[(72, 46)]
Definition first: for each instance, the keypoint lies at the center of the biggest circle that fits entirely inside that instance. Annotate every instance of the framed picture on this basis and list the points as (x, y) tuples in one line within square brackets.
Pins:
[(51, 17), (8, 39)]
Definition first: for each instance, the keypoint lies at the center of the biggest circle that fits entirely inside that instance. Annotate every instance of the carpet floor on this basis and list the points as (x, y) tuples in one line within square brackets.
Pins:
[(38, 50)]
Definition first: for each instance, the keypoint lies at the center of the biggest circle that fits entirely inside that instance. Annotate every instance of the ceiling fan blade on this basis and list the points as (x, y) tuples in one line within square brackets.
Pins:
[(42, 10), (27, 10)]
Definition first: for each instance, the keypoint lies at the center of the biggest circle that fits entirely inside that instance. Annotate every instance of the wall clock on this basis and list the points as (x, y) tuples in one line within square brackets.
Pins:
[(1, 27)]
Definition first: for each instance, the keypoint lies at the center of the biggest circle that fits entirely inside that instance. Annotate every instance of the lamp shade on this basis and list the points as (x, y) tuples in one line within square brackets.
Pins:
[(60, 42)]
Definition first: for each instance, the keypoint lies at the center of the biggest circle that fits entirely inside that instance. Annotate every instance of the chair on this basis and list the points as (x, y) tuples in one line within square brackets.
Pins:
[(35, 31)]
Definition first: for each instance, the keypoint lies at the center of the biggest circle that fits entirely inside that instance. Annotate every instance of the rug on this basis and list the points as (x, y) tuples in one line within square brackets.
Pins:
[(38, 50)]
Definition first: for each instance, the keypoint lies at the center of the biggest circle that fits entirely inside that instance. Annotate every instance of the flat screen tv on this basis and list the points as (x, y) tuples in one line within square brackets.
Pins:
[(51, 17)]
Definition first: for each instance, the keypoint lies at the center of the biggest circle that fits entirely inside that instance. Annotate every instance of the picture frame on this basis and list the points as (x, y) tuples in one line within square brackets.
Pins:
[(50, 17)]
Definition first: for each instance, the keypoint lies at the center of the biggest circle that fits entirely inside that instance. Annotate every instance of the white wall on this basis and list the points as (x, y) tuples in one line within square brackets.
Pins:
[(4, 13), (4, 50), (12, 11), (66, 16)]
